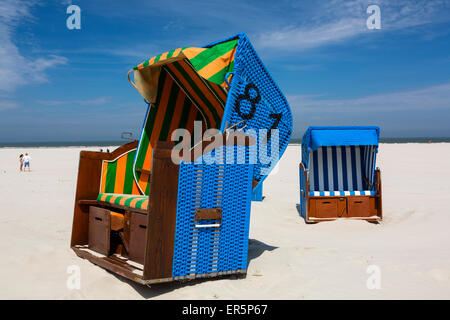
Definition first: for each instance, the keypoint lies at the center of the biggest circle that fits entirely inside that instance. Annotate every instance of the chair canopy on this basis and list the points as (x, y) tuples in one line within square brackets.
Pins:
[(326, 136), (216, 85)]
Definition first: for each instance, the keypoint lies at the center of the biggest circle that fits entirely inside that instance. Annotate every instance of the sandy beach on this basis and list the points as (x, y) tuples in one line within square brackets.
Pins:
[(288, 259)]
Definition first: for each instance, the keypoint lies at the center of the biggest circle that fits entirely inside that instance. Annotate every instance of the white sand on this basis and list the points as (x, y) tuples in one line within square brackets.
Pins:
[(288, 258)]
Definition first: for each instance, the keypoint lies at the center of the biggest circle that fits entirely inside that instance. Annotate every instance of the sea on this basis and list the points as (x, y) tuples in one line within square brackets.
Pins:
[(62, 144)]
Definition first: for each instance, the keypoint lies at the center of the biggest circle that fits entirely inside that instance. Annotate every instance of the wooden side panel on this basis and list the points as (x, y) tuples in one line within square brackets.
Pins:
[(380, 194), (161, 213), (88, 184)]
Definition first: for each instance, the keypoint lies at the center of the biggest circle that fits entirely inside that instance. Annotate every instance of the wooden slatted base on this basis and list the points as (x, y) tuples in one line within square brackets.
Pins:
[(134, 271)]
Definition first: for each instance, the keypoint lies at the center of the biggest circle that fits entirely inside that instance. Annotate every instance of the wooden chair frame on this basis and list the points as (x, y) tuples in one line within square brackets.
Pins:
[(161, 213)]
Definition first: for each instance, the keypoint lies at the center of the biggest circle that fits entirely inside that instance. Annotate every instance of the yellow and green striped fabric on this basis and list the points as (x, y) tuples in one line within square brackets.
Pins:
[(211, 63), (183, 97), (126, 200), (117, 175)]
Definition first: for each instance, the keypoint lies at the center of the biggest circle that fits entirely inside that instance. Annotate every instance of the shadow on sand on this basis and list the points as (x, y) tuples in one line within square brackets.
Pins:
[(255, 249)]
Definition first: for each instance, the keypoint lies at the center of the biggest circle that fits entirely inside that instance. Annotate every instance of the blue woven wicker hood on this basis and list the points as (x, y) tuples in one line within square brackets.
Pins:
[(256, 102)]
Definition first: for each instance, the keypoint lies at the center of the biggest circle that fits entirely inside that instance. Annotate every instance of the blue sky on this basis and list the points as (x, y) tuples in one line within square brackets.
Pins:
[(58, 84)]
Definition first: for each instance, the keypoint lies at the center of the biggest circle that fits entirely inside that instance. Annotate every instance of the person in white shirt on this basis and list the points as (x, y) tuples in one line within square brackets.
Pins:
[(26, 162)]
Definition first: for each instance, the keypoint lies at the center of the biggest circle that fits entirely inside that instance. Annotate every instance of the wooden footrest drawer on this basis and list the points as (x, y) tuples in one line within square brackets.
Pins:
[(138, 237), (99, 230), (358, 207), (329, 207)]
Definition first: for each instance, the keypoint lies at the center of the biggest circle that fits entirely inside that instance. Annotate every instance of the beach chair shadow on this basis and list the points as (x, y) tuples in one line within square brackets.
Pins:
[(255, 249)]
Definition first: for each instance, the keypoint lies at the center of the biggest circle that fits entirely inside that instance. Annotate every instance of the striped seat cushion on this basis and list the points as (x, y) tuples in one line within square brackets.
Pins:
[(341, 193), (126, 200)]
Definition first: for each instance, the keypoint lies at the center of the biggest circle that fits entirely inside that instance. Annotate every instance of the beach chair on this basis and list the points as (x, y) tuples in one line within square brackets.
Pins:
[(338, 177), (142, 215)]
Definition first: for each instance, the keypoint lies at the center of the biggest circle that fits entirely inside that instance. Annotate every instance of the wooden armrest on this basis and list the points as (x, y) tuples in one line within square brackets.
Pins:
[(88, 202)]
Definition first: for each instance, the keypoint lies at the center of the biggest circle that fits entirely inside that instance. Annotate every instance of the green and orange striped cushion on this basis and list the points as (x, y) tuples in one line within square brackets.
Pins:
[(126, 200), (211, 63), (117, 175)]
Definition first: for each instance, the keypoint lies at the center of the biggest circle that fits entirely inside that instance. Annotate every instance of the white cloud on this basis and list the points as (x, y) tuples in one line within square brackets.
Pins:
[(16, 69), (339, 20), (306, 37), (430, 98)]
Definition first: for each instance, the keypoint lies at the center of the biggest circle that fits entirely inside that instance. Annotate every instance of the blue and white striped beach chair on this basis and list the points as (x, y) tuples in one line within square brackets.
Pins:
[(338, 178)]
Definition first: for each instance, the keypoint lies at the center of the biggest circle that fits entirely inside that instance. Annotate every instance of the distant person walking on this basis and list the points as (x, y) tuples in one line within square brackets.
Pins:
[(26, 162), (21, 162)]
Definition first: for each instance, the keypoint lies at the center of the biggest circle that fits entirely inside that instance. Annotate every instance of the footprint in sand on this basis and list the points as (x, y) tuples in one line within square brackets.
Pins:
[(439, 274), (257, 273)]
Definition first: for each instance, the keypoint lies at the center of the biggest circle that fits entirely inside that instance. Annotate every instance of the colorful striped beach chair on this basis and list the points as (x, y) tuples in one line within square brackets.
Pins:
[(338, 177), (139, 213)]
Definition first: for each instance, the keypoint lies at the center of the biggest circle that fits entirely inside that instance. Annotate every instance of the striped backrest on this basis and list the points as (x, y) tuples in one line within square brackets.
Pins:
[(182, 98), (117, 175), (208, 97), (342, 168)]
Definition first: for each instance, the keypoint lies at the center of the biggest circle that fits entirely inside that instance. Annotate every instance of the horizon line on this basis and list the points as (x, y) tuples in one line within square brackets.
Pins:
[(120, 142)]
